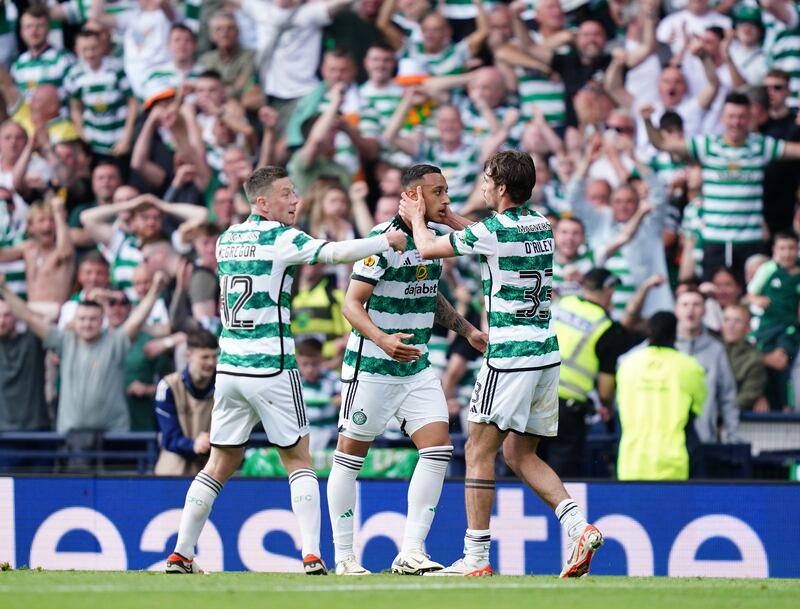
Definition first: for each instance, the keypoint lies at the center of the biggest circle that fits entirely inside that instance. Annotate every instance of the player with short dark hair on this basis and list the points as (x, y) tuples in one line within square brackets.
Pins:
[(392, 302)]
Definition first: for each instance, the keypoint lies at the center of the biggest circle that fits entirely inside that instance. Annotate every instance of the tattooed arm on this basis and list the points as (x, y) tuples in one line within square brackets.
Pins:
[(447, 317)]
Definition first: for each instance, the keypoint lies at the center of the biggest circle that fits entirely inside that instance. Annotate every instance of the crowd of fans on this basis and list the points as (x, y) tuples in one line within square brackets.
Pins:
[(662, 133)]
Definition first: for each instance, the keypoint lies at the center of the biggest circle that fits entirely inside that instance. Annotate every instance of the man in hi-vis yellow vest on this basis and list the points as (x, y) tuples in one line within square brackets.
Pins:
[(660, 388), (590, 343)]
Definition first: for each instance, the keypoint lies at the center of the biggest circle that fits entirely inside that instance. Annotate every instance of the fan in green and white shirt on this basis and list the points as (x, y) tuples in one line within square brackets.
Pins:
[(436, 51), (733, 177), (12, 232), (44, 66), (322, 399), (101, 100), (461, 161), (782, 44), (8, 32)]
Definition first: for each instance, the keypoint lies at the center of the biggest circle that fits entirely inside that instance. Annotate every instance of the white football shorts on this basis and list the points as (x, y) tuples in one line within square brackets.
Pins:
[(242, 401), (521, 401), (368, 406)]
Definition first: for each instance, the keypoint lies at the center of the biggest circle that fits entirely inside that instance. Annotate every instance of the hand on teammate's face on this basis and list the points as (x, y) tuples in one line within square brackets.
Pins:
[(412, 208)]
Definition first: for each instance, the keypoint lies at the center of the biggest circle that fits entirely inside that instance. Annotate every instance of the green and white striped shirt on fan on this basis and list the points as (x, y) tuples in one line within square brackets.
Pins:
[(516, 254), (191, 14), (320, 409), (376, 106), (463, 9), (733, 187), (124, 255), (104, 95), (9, 16), (618, 265), (582, 263), (453, 60), (477, 129), (49, 68), (404, 300), (537, 89), (460, 167), (12, 232), (783, 51), (256, 262)]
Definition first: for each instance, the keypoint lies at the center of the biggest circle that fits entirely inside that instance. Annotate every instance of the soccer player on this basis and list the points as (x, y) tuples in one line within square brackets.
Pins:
[(392, 303), (517, 386), (257, 377)]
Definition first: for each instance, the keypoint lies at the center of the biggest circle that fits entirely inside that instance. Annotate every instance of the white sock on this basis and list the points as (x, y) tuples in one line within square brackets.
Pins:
[(424, 491), (571, 518), (304, 488), (199, 499), (476, 547), (342, 501)]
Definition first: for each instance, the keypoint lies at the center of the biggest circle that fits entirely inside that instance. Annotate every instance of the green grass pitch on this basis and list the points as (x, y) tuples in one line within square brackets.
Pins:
[(115, 590)]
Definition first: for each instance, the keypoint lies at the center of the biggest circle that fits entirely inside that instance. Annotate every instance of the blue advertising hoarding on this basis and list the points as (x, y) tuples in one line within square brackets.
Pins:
[(720, 530)]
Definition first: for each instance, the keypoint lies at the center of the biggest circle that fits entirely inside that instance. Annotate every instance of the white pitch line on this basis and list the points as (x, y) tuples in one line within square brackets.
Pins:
[(302, 589)]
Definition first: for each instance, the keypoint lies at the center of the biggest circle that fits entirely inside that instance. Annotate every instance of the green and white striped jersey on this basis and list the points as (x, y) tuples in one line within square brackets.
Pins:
[(12, 232), (256, 263), (733, 187), (463, 9), (77, 11), (619, 265), (320, 409), (453, 60), (477, 129), (49, 68), (782, 46), (124, 255), (538, 89), (104, 94), (345, 152), (191, 14), (692, 224), (460, 167), (376, 106), (667, 168), (516, 254), (167, 76), (404, 300), (583, 263), (9, 15)]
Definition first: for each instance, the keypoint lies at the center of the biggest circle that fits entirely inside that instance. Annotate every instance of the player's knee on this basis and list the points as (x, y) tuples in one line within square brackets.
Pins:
[(349, 446), (516, 450), (223, 463), (477, 452), (513, 457)]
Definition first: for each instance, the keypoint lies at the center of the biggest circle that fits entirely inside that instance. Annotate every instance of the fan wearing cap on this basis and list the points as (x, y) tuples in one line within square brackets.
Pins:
[(589, 343), (745, 49)]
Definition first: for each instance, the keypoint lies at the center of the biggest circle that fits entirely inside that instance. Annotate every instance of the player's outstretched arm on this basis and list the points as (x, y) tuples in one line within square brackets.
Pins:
[(413, 213), (447, 317), (356, 249), (358, 293)]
